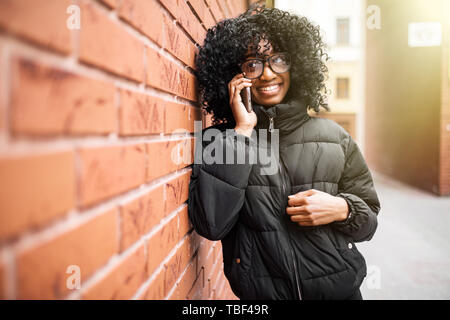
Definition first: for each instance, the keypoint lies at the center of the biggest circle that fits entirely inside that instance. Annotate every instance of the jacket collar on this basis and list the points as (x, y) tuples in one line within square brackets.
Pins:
[(286, 116)]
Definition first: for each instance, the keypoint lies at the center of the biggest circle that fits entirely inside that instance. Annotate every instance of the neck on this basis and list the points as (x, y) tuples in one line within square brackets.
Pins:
[(286, 117)]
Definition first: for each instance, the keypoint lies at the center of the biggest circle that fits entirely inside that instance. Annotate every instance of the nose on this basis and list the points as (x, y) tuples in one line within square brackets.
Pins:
[(268, 74)]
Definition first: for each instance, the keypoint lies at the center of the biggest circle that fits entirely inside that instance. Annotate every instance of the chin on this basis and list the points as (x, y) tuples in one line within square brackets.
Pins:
[(269, 102)]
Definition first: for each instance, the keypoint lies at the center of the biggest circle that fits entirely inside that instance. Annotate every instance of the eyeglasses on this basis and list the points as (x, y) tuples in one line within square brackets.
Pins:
[(254, 68)]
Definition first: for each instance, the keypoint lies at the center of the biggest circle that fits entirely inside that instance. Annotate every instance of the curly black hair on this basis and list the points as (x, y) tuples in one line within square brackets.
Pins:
[(227, 43)]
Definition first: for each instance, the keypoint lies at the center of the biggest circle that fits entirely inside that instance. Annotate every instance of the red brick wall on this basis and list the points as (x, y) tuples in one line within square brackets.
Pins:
[(86, 123)]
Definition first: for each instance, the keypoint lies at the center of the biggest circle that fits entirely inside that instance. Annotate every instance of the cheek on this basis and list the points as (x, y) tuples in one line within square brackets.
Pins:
[(287, 80), (253, 88)]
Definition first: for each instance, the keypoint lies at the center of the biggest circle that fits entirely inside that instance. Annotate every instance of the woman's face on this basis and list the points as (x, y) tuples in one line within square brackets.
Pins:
[(270, 88)]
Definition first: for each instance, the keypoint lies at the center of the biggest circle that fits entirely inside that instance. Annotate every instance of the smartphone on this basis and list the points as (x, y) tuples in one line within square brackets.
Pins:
[(247, 98)]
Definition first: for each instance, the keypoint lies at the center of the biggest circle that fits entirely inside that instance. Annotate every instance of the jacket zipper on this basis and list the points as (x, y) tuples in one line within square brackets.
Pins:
[(270, 124), (290, 240), (271, 128)]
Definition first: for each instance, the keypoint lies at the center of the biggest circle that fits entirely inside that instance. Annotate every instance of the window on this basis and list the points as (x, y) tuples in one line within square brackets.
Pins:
[(343, 31), (342, 88)]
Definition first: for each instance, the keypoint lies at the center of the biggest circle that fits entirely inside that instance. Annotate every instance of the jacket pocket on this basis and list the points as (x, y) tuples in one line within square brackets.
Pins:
[(350, 255), (354, 259)]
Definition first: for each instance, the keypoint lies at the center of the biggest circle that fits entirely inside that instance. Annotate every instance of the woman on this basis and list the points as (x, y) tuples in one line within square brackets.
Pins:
[(290, 234)]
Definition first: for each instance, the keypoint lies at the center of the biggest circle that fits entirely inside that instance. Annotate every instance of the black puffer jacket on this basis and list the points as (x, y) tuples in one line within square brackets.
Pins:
[(266, 255)]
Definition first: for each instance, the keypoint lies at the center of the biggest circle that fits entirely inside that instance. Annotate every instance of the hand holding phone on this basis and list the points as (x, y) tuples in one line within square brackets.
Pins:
[(247, 98), (240, 102)]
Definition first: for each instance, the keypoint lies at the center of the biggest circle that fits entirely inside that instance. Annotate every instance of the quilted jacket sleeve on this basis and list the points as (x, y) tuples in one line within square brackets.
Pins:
[(357, 188), (217, 190)]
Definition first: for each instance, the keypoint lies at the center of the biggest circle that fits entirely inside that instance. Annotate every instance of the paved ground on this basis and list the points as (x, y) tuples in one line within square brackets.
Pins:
[(409, 255)]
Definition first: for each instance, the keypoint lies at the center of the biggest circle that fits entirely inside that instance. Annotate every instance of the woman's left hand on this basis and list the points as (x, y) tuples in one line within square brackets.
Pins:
[(313, 208)]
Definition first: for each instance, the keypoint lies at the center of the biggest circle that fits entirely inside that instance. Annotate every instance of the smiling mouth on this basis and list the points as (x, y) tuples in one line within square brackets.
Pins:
[(270, 89)]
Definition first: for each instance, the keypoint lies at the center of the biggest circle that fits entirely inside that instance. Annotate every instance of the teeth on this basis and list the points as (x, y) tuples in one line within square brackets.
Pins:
[(271, 88)]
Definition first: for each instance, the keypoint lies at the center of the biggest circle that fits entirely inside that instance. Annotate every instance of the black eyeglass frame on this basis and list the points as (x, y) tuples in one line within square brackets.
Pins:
[(263, 61)]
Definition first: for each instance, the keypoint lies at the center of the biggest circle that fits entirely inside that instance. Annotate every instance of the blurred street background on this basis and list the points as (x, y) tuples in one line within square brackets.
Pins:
[(408, 257), (389, 81)]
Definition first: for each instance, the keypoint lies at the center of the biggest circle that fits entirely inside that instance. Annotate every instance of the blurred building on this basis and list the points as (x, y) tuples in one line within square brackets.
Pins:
[(408, 93), (342, 26)]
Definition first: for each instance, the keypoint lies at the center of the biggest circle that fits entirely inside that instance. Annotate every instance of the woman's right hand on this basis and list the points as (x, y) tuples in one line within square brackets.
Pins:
[(245, 121)]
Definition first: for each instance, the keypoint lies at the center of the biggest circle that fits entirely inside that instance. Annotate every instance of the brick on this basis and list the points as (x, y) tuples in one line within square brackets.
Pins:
[(167, 156), (43, 22), (184, 224), (197, 289), (136, 12), (226, 9), (203, 12), (215, 9), (187, 281), (105, 44), (110, 3), (218, 294), (155, 291), (161, 243), (231, 8), (140, 215), (47, 100), (42, 270), (217, 251), (195, 240), (123, 281), (183, 14), (212, 276), (175, 267), (109, 171), (167, 76), (35, 189), (174, 295), (195, 115), (179, 117), (2, 98), (204, 251), (177, 191), (223, 8), (186, 253), (229, 295), (240, 6), (177, 43), (172, 272), (140, 114), (209, 262), (220, 288)]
